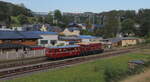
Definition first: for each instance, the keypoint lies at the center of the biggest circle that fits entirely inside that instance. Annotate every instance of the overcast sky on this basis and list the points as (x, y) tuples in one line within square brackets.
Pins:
[(82, 5)]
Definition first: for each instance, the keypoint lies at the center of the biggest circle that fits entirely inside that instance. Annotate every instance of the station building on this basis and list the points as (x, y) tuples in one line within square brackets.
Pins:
[(120, 41)]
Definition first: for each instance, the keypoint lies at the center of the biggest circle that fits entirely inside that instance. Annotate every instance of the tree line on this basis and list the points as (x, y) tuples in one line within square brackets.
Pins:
[(126, 23), (8, 10)]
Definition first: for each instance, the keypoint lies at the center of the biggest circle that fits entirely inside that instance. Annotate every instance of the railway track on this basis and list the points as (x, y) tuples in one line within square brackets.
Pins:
[(29, 61), (9, 72)]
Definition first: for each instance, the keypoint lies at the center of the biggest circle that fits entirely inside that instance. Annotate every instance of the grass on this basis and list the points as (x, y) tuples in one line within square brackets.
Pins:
[(89, 72)]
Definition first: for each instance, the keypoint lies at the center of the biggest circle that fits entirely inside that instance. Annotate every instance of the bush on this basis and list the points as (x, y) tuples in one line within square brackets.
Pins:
[(147, 40), (147, 64), (112, 74), (138, 69)]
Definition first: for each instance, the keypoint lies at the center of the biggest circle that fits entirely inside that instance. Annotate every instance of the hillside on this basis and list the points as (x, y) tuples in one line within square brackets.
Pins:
[(8, 9)]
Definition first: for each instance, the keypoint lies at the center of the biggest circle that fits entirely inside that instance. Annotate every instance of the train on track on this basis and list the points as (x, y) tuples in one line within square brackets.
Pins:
[(80, 49)]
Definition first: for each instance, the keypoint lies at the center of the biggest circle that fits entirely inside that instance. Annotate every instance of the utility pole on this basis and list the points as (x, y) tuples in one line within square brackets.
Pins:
[(53, 18), (79, 20), (89, 20), (119, 25), (75, 19)]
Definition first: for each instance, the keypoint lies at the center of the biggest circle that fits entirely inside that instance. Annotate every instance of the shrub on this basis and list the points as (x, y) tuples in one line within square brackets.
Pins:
[(147, 40), (138, 69), (147, 64), (112, 74)]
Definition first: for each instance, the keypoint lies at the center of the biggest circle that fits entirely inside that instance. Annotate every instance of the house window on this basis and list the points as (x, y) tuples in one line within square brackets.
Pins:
[(7, 41), (44, 42), (53, 42)]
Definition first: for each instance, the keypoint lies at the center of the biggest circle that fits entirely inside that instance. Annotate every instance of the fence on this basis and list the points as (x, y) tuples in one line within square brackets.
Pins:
[(21, 54)]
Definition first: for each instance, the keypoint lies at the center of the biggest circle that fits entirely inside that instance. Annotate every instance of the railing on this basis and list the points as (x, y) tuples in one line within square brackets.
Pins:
[(21, 54)]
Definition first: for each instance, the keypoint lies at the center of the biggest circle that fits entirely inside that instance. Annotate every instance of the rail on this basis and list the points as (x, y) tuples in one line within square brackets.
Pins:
[(57, 64)]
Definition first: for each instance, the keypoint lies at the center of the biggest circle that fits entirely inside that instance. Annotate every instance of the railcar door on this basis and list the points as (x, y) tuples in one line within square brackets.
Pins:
[(69, 52), (61, 53), (47, 52), (53, 54), (57, 53), (65, 52)]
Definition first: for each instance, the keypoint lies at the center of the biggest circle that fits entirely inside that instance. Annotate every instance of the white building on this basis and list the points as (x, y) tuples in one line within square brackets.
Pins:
[(47, 38), (17, 28)]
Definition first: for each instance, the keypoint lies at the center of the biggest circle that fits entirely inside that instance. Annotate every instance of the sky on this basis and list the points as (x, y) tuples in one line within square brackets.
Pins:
[(78, 6)]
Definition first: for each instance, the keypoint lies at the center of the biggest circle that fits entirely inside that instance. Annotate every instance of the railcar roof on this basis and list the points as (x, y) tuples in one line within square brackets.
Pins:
[(68, 46)]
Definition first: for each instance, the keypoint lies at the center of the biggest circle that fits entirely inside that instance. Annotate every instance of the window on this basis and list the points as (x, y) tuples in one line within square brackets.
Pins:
[(44, 42), (53, 42), (7, 41)]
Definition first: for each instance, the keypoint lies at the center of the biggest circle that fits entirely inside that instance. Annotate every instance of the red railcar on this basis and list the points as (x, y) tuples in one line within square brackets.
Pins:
[(91, 48), (74, 50), (63, 51)]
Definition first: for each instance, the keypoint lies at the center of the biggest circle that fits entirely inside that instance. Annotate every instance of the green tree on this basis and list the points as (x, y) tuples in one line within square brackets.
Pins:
[(86, 32), (32, 20), (39, 19), (22, 19), (67, 19), (128, 27), (58, 15), (49, 18), (142, 19), (99, 31), (111, 24), (7, 10), (14, 21)]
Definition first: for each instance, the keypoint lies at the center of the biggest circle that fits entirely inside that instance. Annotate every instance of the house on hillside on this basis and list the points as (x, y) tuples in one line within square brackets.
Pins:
[(82, 26), (40, 27), (95, 26), (44, 28), (55, 29), (17, 28), (72, 31), (72, 24)]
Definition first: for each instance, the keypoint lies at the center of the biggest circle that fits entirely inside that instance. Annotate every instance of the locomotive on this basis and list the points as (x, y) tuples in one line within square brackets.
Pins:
[(80, 49)]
